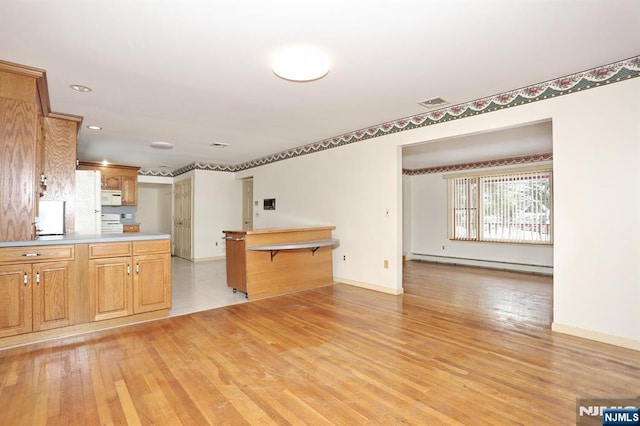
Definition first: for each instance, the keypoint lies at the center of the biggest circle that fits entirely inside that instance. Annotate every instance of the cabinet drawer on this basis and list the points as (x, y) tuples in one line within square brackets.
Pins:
[(31, 254), (131, 227), (151, 247), (109, 250)]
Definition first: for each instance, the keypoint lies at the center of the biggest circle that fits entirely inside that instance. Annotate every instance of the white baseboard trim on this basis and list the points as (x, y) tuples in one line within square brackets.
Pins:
[(368, 286), (509, 266), (206, 259), (597, 336)]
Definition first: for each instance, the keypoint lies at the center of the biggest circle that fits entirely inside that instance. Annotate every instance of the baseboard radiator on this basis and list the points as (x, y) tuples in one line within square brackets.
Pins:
[(509, 266)]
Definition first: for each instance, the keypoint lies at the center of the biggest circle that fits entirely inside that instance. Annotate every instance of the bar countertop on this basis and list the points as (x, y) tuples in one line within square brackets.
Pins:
[(281, 230), (87, 238)]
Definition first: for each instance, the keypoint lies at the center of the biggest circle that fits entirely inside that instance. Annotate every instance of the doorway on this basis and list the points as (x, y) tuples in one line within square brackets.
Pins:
[(247, 204)]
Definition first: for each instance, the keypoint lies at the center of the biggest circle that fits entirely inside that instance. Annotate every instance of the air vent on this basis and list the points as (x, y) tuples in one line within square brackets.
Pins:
[(433, 103)]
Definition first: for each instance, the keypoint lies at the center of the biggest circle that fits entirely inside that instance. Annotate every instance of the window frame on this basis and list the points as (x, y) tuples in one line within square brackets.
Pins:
[(479, 220)]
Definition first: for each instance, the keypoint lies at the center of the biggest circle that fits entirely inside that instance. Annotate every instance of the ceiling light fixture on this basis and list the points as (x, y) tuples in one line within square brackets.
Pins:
[(161, 145), (300, 63), (80, 88), (93, 127), (105, 163)]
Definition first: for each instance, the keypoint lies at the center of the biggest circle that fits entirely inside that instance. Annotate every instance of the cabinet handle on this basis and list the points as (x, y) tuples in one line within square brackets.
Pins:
[(38, 278), (31, 255), (137, 268), (25, 278), (128, 269)]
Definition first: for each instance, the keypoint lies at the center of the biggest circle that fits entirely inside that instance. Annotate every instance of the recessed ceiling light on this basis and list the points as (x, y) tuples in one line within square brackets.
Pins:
[(161, 145), (300, 63), (433, 103), (219, 145), (80, 88), (92, 127)]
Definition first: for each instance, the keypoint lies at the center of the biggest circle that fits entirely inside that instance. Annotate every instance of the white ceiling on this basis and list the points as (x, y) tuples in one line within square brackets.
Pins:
[(532, 139), (195, 72)]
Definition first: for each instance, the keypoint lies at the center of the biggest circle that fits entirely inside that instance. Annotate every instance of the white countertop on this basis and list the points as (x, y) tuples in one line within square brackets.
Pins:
[(87, 238)]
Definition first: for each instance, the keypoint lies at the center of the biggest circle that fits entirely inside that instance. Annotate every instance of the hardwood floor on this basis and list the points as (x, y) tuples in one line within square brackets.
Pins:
[(335, 355)]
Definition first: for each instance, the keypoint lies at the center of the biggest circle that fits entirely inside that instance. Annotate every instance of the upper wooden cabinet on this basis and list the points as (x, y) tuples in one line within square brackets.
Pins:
[(123, 178), (34, 142)]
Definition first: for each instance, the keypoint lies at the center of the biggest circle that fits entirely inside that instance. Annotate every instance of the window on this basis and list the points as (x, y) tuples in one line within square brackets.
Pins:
[(510, 207)]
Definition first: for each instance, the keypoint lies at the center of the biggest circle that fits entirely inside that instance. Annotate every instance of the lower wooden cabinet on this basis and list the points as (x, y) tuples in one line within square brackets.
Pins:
[(122, 284), (53, 295), (15, 300), (37, 294), (151, 282), (44, 289), (110, 288), (131, 227)]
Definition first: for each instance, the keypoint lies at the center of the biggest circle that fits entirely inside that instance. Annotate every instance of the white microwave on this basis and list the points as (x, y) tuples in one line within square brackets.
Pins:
[(111, 198)]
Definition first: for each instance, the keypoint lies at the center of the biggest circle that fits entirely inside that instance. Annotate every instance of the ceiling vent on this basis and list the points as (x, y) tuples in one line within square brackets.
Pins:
[(433, 103)]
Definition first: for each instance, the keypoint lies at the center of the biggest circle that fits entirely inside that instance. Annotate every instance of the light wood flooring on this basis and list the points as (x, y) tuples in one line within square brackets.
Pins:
[(335, 355)]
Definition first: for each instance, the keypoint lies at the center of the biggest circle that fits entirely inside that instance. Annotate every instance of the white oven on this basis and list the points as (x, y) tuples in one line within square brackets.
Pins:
[(111, 223)]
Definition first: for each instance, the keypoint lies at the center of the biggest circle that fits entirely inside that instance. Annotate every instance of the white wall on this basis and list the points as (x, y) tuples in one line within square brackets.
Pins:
[(349, 187), (153, 210), (428, 221), (217, 206), (596, 145)]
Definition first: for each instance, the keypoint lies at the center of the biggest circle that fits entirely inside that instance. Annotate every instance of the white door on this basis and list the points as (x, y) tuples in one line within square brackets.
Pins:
[(182, 218), (247, 204)]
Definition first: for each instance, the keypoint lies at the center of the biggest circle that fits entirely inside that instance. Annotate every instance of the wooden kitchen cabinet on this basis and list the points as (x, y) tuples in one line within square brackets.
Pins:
[(131, 227), (111, 182), (129, 278), (110, 289), (129, 190), (152, 279), (15, 300), (18, 133), (37, 287), (118, 177), (110, 280), (53, 295), (151, 282), (27, 127)]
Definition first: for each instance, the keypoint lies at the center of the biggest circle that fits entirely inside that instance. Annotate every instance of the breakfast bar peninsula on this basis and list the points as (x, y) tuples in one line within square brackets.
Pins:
[(270, 262)]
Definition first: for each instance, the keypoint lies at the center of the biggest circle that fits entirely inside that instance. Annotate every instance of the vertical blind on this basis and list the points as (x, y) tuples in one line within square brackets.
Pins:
[(509, 207)]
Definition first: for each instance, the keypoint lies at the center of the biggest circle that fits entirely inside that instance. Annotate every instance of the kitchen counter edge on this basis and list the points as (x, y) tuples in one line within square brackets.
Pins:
[(87, 238)]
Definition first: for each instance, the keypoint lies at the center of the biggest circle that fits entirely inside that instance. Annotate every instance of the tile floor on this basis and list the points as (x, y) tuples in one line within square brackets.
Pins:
[(199, 286)]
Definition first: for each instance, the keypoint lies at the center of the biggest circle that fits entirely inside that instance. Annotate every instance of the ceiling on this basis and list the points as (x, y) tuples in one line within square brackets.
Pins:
[(521, 141), (197, 72)]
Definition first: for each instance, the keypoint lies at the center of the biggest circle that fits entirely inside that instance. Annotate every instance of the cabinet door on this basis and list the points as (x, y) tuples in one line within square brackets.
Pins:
[(53, 295), (18, 125), (111, 182), (110, 288), (152, 282), (236, 262), (15, 300), (129, 190)]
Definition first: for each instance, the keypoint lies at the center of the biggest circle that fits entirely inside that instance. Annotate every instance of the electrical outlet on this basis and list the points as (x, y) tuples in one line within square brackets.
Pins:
[(386, 264), (344, 257)]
